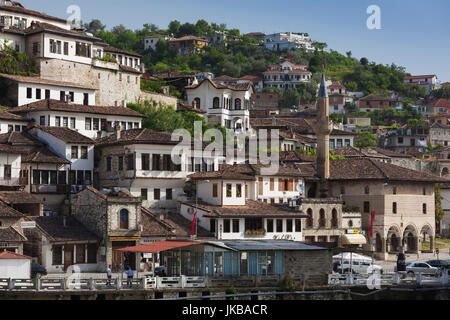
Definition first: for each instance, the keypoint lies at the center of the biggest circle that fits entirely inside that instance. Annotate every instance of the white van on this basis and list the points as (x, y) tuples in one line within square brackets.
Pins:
[(359, 267)]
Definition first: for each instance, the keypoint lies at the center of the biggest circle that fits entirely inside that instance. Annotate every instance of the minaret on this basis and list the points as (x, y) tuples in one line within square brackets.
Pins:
[(323, 128)]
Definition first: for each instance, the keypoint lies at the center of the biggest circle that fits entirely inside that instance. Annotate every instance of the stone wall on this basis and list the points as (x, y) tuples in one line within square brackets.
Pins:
[(113, 87), (311, 265)]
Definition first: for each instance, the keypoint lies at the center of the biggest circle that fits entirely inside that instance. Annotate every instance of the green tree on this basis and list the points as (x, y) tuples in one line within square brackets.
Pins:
[(366, 139), (439, 212), (174, 27), (94, 26)]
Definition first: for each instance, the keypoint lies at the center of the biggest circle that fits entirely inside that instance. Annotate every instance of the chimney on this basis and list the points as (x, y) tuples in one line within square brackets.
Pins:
[(323, 130)]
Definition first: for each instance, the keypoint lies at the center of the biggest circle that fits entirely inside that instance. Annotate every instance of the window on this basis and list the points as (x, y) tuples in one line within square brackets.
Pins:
[(36, 48), (322, 221), (58, 121), (144, 194), (196, 103), (289, 225), (65, 122), (424, 191), (42, 120), (239, 191), (216, 103), (145, 161), (214, 192), (298, 225), (235, 226), (47, 94), (7, 172), (66, 48), (342, 190), (260, 186), (309, 220), (62, 96), (84, 152), (130, 162), (394, 207), (168, 194), (269, 225), (237, 104), (92, 253), (394, 190), (72, 123), (124, 219), (156, 162), (279, 225), (366, 206), (226, 226), (83, 50), (229, 191), (212, 225), (85, 99), (29, 93), (424, 208), (87, 177), (71, 96), (38, 94), (334, 218), (87, 124), (400, 140), (80, 253), (95, 124), (120, 160), (366, 190), (108, 163), (272, 184), (57, 255), (157, 194), (74, 153)]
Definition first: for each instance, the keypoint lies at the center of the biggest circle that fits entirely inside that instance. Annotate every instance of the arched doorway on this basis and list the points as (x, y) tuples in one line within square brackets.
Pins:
[(426, 238), (378, 243), (393, 240), (410, 239), (444, 172)]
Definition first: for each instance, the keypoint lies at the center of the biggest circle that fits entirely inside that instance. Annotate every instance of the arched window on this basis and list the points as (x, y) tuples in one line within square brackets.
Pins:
[(334, 218), (237, 104), (216, 103), (322, 218), (350, 224), (124, 219), (444, 172), (196, 103), (366, 190), (309, 220)]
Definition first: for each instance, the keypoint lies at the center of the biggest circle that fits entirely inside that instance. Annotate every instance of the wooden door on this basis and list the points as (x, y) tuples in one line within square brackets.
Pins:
[(68, 256), (117, 258)]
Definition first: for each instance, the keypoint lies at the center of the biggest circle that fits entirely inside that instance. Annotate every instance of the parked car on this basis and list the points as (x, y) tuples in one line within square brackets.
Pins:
[(37, 270), (441, 264), (421, 267), (358, 267)]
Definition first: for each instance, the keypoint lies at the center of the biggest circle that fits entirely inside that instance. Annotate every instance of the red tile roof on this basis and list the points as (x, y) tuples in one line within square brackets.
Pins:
[(12, 255), (419, 77), (39, 80), (160, 246), (67, 135), (22, 10), (5, 115), (56, 105)]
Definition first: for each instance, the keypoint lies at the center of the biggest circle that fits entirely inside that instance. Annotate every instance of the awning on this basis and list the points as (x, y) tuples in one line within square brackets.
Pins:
[(160, 246), (353, 239)]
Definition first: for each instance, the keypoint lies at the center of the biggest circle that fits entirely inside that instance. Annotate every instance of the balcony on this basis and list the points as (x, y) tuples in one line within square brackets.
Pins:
[(105, 64), (56, 189), (12, 182)]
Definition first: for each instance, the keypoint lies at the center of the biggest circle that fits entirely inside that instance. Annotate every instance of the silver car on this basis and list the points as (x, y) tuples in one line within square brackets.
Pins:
[(421, 267)]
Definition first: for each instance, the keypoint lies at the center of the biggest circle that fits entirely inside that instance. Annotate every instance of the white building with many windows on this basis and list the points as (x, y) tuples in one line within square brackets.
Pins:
[(287, 41), (286, 75), (226, 104)]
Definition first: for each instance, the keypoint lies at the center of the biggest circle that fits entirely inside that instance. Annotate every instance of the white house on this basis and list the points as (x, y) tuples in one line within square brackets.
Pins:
[(287, 41), (236, 202), (151, 41), (90, 121), (226, 104), (429, 82), (11, 122), (286, 75), (14, 266), (25, 90)]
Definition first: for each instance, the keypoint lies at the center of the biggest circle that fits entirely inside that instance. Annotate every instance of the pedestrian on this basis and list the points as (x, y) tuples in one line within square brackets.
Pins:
[(130, 275), (108, 274)]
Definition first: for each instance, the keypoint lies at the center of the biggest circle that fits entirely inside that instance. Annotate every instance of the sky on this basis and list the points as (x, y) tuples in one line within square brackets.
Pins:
[(414, 33)]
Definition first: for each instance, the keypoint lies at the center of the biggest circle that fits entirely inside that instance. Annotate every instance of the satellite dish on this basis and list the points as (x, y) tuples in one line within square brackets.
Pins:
[(300, 188)]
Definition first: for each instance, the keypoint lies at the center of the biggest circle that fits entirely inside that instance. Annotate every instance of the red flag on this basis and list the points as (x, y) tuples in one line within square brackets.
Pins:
[(289, 58), (193, 223), (372, 220)]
